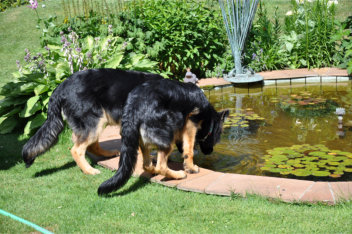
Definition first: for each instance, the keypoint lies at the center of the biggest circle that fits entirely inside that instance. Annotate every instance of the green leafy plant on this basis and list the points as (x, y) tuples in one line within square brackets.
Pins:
[(191, 32), (263, 47), (307, 160), (26, 98), (307, 32), (177, 33), (5, 4), (343, 44)]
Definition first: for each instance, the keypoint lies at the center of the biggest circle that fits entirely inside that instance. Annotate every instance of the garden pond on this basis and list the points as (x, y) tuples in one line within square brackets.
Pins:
[(285, 130)]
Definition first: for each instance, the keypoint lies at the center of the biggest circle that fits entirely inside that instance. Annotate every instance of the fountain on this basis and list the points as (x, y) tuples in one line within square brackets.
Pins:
[(238, 16)]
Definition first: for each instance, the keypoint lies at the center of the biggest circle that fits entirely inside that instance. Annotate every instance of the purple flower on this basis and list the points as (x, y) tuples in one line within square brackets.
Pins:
[(27, 57), (78, 50), (254, 56), (33, 4), (63, 39)]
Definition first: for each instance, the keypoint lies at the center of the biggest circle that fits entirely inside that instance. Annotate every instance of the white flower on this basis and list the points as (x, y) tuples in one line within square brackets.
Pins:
[(43, 6), (330, 3), (300, 1), (289, 13)]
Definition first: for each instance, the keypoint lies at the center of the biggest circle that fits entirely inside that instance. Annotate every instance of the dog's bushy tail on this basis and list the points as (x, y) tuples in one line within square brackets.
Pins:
[(128, 155), (47, 134)]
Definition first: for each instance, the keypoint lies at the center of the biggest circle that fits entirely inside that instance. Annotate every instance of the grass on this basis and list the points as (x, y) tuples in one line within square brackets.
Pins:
[(56, 195)]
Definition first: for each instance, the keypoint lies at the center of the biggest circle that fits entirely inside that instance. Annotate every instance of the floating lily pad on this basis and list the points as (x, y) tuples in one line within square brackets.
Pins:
[(242, 118), (305, 160), (304, 104)]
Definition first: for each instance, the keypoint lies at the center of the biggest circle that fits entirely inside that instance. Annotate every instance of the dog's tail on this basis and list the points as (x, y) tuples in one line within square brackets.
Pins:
[(128, 155), (47, 134)]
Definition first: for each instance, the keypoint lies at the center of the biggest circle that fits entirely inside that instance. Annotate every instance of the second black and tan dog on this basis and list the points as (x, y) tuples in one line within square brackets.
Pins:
[(162, 113)]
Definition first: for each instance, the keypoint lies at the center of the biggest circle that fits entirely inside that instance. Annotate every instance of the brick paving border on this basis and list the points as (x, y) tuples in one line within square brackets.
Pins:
[(218, 183)]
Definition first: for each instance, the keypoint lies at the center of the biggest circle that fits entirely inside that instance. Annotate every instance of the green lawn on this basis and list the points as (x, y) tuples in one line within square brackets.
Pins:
[(56, 195)]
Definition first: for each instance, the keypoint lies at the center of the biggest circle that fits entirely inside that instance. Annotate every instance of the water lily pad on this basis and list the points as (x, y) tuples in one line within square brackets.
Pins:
[(301, 172), (304, 160), (321, 173)]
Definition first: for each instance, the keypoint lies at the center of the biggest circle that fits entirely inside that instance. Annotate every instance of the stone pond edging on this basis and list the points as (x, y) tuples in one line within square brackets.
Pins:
[(226, 184)]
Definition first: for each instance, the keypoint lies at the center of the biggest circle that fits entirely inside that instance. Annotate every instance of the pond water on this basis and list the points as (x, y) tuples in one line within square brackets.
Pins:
[(281, 115)]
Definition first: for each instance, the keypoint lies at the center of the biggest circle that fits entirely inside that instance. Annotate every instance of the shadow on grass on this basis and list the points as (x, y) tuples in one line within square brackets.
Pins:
[(140, 183), (55, 169), (10, 151)]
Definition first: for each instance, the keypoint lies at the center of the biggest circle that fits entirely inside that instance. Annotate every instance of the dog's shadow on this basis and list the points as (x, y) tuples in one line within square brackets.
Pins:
[(54, 170), (140, 183)]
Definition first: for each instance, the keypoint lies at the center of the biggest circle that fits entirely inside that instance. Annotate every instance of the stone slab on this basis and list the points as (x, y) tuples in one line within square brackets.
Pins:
[(285, 189), (284, 74), (342, 190), (200, 183), (319, 192)]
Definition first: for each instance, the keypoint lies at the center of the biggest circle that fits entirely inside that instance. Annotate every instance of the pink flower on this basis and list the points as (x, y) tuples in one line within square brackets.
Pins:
[(33, 4)]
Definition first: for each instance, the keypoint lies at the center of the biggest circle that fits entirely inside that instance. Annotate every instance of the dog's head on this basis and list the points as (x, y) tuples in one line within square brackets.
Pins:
[(210, 132)]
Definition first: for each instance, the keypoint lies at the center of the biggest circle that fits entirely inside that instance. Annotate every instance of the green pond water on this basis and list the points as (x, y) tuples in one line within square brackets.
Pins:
[(266, 117)]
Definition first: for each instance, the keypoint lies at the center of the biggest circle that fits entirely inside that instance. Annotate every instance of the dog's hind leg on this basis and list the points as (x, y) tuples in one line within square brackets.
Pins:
[(82, 142), (78, 152), (188, 137), (163, 169), (96, 149), (147, 161)]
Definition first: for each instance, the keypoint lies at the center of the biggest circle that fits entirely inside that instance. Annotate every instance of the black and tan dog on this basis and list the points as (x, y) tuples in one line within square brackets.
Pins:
[(88, 100), (161, 113)]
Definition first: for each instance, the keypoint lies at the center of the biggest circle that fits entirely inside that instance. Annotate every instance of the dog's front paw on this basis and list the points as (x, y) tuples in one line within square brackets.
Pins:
[(180, 175), (191, 169)]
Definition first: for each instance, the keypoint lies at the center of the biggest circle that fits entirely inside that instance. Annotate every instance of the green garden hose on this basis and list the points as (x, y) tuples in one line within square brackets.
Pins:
[(36, 227)]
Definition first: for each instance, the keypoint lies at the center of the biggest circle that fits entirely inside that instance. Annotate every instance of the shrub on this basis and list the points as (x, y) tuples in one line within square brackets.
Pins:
[(263, 49), (343, 45), (191, 34), (4, 4), (307, 32), (26, 98)]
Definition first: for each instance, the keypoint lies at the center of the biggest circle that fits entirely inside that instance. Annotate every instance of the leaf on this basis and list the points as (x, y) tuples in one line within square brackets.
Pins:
[(115, 61), (62, 70), (14, 111), (36, 122), (54, 47), (31, 107), (7, 124), (12, 101), (289, 46), (40, 89), (90, 42)]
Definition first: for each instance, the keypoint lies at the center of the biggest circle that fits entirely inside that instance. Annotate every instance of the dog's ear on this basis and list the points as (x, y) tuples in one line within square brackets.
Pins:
[(224, 114)]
